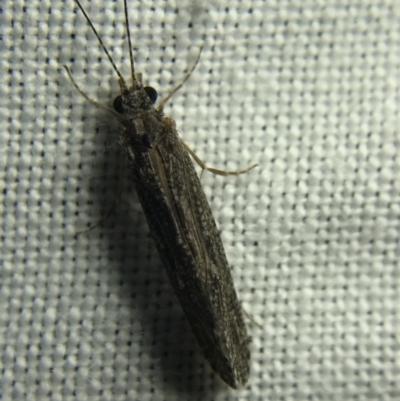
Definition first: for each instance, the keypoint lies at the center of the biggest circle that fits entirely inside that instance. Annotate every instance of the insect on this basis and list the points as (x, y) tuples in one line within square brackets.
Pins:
[(180, 220)]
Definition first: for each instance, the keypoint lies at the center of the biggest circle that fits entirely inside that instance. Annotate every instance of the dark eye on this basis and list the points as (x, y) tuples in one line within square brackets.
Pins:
[(118, 104), (151, 93)]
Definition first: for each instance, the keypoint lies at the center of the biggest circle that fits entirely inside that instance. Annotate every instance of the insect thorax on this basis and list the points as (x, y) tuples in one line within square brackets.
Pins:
[(142, 121)]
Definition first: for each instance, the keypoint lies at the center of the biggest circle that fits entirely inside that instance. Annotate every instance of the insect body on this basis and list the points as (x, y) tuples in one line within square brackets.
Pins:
[(181, 223)]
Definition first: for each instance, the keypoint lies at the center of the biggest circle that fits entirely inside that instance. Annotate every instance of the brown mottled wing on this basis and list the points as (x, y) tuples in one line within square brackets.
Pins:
[(189, 244)]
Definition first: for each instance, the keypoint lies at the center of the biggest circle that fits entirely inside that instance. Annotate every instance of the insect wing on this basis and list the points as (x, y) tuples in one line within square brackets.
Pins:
[(190, 246)]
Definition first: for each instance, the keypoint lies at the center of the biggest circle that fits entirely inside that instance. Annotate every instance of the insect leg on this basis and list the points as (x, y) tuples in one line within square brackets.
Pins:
[(177, 87), (114, 204), (214, 170), (97, 104)]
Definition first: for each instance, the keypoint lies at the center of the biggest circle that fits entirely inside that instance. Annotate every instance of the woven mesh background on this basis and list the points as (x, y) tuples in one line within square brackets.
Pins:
[(309, 90)]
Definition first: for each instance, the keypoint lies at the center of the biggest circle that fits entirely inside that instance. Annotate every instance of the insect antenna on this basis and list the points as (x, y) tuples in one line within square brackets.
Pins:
[(134, 81), (121, 79)]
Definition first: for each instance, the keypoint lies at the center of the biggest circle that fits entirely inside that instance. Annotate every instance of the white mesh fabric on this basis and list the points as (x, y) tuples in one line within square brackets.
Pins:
[(308, 90)]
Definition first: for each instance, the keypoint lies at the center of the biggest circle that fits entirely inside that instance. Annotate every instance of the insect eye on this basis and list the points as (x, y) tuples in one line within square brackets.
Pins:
[(151, 93), (118, 104)]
